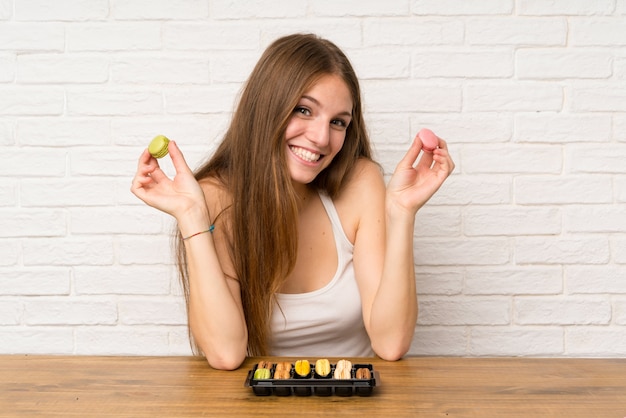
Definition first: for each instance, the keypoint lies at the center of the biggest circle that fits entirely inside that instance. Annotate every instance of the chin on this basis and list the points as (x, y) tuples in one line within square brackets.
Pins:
[(302, 179), (303, 176)]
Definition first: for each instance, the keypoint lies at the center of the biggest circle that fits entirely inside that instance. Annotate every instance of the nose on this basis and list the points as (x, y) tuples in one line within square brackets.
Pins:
[(319, 132)]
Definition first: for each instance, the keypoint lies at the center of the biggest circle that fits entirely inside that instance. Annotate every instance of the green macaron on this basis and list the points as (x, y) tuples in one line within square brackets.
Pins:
[(158, 146), (260, 374)]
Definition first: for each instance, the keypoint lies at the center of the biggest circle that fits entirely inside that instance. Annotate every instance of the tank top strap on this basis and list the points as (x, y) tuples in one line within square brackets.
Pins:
[(340, 234)]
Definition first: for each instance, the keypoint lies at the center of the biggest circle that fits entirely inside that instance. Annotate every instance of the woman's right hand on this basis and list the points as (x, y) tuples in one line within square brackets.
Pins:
[(178, 196)]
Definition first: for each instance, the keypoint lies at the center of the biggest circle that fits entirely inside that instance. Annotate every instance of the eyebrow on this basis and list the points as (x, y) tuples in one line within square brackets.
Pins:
[(314, 100)]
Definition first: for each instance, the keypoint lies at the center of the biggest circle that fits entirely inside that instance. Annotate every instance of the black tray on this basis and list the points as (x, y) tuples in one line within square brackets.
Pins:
[(313, 385)]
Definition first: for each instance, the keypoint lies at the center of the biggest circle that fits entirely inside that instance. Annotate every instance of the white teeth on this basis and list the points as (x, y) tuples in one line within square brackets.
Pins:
[(305, 154)]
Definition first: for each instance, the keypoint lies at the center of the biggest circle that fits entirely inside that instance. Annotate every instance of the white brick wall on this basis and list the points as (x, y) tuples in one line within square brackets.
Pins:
[(522, 252)]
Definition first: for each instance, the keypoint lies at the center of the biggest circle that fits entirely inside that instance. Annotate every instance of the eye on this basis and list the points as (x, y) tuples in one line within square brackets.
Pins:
[(302, 110), (339, 123)]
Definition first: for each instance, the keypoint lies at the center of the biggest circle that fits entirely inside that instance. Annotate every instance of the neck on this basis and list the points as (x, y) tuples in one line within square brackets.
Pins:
[(304, 193)]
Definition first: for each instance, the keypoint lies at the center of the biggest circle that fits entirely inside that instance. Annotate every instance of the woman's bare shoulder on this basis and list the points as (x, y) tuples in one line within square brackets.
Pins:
[(366, 176), (212, 184), (362, 197), (216, 195)]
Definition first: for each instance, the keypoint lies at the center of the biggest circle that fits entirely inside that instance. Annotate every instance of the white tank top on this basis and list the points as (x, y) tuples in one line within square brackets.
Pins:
[(327, 322)]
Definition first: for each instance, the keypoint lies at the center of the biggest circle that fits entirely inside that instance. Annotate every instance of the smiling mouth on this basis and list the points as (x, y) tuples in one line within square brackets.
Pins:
[(306, 155)]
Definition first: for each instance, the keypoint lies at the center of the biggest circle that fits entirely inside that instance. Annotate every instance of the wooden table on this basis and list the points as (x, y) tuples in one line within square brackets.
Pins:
[(36, 386)]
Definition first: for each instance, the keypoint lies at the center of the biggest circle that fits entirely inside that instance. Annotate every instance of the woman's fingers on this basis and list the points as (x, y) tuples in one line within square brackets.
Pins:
[(178, 159), (411, 155), (442, 158), (148, 172)]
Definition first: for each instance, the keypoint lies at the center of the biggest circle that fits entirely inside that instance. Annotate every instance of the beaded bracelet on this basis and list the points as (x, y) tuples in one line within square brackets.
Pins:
[(211, 228)]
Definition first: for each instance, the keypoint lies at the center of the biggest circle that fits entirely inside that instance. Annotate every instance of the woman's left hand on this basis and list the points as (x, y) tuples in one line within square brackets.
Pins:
[(412, 185)]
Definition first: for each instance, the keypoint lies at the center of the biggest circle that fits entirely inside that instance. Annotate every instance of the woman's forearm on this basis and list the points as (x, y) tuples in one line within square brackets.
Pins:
[(394, 311), (216, 318)]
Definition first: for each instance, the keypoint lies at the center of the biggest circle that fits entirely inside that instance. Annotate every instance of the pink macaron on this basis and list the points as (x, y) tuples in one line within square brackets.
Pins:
[(429, 140)]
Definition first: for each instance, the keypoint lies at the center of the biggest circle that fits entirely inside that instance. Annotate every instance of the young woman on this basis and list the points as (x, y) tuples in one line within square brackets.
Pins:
[(289, 241)]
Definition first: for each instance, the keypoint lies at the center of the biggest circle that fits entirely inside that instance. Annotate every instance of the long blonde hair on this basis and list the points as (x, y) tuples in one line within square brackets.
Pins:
[(250, 163)]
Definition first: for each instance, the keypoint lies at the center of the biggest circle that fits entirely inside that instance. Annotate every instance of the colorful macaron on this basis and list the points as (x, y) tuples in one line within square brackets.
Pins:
[(302, 368), (322, 368), (283, 370), (429, 140), (363, 373), (261, 374), (158, 146), (343, 369)]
